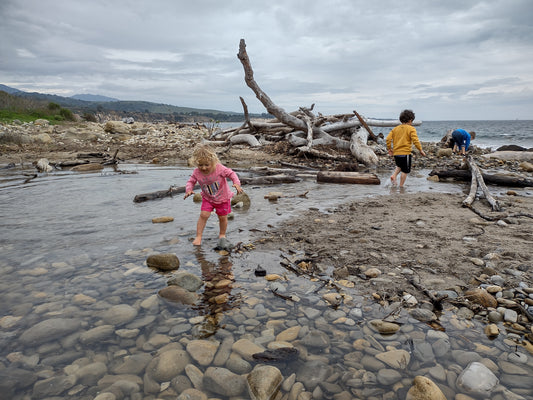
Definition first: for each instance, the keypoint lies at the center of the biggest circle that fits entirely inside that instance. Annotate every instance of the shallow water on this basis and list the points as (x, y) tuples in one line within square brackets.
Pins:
[(66, 234)]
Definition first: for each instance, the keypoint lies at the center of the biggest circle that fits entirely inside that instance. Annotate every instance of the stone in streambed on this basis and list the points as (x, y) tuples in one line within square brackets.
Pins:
[(49, 330), (264, 382), (168, 365), (163, 262), (119, 314), (224, 382), (224, 244), (424, 389), (162, 220), (477, 380), (179, 295), (203, 351), (383, 327), (481, 297), (241, 197), (186, 281)]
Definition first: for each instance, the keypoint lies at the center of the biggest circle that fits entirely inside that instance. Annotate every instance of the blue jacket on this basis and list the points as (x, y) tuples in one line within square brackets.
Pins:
[(463, 136)]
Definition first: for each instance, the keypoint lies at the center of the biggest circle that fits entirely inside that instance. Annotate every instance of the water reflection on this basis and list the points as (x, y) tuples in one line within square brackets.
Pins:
[(217, 297)]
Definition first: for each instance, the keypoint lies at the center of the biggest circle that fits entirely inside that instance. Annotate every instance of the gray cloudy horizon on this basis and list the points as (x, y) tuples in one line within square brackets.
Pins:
[(453, 60)]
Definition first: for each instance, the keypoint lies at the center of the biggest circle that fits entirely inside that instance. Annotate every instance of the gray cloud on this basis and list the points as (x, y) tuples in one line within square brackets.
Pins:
[(445, 60)]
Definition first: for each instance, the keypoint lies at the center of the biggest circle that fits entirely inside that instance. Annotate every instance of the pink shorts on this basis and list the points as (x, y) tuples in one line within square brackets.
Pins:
[(220, 208)]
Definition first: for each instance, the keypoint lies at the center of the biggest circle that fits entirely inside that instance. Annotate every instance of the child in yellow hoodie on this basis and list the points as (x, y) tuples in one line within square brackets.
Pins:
[(399, 144)]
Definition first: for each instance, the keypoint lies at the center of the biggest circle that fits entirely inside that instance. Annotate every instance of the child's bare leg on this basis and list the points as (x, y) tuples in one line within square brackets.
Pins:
[(394, 175), (223, 223), (403, 177), (200, 226)]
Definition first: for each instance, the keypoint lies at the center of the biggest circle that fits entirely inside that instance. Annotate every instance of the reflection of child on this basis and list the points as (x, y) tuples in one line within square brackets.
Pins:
[(400, 141), (211, 175)]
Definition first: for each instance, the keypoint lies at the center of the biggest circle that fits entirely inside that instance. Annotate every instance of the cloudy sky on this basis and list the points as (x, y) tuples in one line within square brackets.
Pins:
[(446, 60)]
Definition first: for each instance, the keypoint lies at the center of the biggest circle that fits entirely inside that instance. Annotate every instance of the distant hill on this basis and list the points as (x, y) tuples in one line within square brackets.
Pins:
[(88, 104), (8, 89), (93, 97)]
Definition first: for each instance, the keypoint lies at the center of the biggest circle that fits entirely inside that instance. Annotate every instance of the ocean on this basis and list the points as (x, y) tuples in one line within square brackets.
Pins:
[(489, 134)]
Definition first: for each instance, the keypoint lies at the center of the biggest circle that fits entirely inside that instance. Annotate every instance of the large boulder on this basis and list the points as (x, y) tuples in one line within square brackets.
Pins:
[(117, 127)]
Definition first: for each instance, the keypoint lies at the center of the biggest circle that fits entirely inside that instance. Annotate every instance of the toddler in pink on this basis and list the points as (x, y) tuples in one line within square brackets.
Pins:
[(212, 176)]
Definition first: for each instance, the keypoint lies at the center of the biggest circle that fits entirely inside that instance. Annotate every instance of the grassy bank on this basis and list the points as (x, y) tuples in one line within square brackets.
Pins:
[(13, 108)]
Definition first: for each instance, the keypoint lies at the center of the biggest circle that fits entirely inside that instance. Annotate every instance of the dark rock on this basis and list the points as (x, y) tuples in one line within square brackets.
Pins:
[(282, 354), (511, 147), (224, 244)]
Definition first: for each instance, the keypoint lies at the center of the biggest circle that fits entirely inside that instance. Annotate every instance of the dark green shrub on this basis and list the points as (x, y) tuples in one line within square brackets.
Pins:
[(54, 106), (66, 114)]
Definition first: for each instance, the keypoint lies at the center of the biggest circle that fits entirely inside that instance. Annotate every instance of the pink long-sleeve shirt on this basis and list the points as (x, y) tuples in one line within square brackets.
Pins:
[(214, 186)]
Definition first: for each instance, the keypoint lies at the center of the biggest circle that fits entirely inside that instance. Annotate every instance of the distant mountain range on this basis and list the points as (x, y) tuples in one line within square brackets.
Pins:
[(140, 110), (93, 97)]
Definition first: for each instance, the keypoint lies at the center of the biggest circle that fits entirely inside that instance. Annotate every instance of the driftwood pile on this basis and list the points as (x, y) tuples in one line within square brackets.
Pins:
[(303, 129)]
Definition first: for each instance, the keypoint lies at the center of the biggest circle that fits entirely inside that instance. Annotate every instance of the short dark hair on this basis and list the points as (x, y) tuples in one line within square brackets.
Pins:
[(406, 116)]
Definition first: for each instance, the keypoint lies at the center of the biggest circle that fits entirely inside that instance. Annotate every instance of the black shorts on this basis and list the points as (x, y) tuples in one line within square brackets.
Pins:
[(403, 162)]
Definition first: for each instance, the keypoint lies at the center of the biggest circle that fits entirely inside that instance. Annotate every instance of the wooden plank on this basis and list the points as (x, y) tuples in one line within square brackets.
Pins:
[(362, 178)]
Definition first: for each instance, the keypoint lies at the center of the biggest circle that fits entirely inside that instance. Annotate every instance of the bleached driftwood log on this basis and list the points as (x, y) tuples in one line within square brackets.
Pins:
[(245, 138), (361, 151), (481, 183)]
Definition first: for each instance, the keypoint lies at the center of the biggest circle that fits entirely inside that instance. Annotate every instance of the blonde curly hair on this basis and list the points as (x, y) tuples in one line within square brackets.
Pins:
[(204, 153)]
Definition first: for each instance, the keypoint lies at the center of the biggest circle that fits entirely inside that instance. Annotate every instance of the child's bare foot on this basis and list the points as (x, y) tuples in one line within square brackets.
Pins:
[(197, 242), (393, 180)]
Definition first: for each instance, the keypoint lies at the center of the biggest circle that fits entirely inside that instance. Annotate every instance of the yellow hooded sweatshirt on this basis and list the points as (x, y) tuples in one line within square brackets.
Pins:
[(401, 140)]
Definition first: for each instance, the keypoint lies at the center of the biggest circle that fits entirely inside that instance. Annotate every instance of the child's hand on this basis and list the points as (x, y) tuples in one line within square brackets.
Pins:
[(188, 194), (238, 188), (390, 152), (423, 154)]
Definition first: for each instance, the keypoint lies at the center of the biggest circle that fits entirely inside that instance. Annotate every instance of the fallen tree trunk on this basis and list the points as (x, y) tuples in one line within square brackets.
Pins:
[(348, 177), (498, 180), (259, 180), (269, 179), (159, 194)]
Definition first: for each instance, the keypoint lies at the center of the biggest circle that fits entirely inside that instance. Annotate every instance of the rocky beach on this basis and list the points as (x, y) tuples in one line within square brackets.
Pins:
[(405, 295)]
